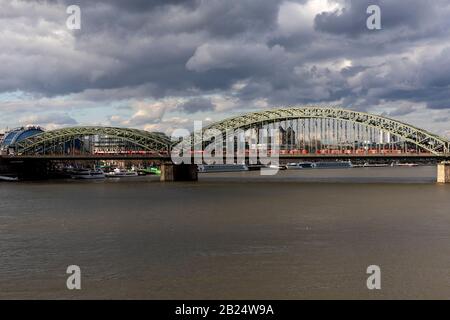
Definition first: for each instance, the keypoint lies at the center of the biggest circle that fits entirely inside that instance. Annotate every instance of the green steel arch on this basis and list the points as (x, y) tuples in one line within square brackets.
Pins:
[(149, 141), (426, 140)]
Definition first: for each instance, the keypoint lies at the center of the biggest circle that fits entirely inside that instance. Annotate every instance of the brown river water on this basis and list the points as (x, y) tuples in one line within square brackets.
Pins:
[(298, 235)]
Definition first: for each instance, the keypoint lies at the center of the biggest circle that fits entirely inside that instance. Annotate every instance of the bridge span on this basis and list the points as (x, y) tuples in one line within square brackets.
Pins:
[(311, 132), (286, 157)]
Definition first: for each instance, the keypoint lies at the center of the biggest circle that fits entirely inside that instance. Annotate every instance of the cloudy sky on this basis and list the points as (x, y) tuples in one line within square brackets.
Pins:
[(159, 64)]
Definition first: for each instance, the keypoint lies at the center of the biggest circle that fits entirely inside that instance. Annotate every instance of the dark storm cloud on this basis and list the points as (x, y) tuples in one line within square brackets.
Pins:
[(137, 5), (281, 52), (402, 111), (135, 43), (216, 17), (197, 105)]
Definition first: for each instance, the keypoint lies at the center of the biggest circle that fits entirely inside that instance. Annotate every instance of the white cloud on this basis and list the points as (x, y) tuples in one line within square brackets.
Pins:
[(297, 17)]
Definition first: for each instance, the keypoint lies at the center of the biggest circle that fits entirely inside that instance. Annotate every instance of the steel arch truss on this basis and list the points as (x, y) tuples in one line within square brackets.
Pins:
[(423, 139), (148, 141)]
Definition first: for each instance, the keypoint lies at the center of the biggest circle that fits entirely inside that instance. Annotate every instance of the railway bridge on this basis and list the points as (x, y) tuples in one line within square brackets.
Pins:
[(293, 133)]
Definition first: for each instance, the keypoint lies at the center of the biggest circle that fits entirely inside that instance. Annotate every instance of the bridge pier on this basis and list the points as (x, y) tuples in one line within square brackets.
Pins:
[(443, 172), (24, 169), (181, 172)]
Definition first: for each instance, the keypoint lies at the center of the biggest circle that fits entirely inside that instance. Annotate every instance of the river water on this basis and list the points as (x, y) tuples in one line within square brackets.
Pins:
[(298, 235)]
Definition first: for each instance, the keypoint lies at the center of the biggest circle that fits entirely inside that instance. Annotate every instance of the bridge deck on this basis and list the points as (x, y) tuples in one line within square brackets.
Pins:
[(281, 156)]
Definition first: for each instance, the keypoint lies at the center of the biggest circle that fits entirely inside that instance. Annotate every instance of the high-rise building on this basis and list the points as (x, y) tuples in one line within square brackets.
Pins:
[(286, 137)]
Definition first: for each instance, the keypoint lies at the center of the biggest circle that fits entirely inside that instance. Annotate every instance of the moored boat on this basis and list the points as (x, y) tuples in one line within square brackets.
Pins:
[(332, 165), (222, 168), (7, 178), (371, 165), (277, 166), (299, 165), (88, 174), (120, 173), (406, 164), (150, 170)]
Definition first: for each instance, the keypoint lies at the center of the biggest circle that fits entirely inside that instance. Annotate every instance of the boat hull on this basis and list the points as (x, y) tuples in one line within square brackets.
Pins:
[(9, 179), (88, 174), (222, 168), (134, 175)]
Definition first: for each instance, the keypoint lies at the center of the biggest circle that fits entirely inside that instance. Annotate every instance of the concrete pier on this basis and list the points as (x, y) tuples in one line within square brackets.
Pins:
[(443, 172), (182, 172)]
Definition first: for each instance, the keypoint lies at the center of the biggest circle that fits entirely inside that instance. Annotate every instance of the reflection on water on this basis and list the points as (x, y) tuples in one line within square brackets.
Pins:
[(230, 235)]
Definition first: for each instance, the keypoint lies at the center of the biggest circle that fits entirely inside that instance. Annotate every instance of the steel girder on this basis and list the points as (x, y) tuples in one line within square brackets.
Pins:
[(160, 143), (147, 140), (426, 140)]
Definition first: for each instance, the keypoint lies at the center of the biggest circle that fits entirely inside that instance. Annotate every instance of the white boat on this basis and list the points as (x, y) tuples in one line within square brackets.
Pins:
[(277, 167), (299, 165), (406, 164), (88, 174), (6, 178), (371, 165), (222, 168), (118, 173)]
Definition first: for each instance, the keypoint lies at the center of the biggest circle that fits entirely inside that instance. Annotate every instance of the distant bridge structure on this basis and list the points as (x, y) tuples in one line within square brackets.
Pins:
[(304, 132), (323, 130), (92, 140)]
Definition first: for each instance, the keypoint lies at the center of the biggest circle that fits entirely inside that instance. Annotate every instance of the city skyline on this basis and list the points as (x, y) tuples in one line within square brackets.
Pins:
[(159, 65)]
